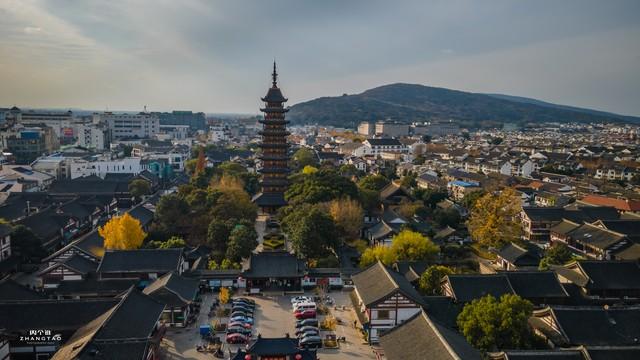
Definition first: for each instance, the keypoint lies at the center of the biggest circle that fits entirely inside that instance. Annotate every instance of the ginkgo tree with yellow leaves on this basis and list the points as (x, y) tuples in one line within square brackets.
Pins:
[(494, 218), (122, 233)]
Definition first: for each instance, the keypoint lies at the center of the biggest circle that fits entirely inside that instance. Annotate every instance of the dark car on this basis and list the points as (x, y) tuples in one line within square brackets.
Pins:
[(239, 330), (240, 313), (242, 308), (245, 300), (310, 342), (306, 322), (308, 333), (237, 339), (305, 329)]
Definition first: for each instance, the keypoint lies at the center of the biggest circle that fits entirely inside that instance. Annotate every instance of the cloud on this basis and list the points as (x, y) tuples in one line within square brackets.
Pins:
[(32, 30)]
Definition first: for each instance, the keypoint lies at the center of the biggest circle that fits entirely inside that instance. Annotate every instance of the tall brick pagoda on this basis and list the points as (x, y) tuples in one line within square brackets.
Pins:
[(275, 150)]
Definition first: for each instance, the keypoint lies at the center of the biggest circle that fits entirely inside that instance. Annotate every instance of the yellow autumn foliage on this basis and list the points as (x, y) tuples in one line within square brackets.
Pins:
[(122, 233), (494, 219)]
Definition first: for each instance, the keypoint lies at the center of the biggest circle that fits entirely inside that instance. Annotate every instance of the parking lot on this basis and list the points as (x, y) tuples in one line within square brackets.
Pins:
[(273, 318)]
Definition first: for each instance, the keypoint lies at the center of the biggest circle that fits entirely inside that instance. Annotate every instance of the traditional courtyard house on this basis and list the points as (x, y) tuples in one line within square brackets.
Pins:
[(516, 257), (5, 242), (539, 287), (458, 189), (178, 294), (285, 348), (390, 224), (591, 241), (383, 299), (412, 270), (277, 271), (622, 205), (394, 193), (422, 337), (90, 246), (74, 268), (129, 330), (328, 278), (50, 228), (10, 290), (563, 326), (144, 264), (603, 279), (575, 353), (59, 317)]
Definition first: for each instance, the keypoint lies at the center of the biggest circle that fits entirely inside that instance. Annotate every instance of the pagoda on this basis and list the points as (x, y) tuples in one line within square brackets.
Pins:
[(275, 150)]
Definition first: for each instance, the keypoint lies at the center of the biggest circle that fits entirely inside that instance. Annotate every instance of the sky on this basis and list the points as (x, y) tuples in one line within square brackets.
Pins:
[(216, 56)]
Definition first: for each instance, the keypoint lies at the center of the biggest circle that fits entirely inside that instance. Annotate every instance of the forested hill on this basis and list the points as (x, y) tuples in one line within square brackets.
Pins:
[(409, 102)]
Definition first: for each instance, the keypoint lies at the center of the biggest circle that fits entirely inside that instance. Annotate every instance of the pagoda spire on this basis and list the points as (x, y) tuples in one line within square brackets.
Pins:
[(274, 75)]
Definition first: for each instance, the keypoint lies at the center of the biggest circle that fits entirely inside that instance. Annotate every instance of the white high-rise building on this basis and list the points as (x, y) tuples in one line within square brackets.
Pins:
[(141, 125), (93, 136)]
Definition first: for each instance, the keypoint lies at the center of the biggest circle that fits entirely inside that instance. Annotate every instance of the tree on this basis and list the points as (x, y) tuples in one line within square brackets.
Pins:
[(175, 242), (412, 246), (320, 186), (201, 162), (469, 199), (122, 233), (490, 324), (373, 182), (557, 254), (307, 170), (377, 253), (407, 245), (172, 213), (370, 199), (139, 187), (305, 157), (447, 217), (348, 216), (408, 181), (218, 235), (242, 241), (431, 279), (430, 197), (26, 245), (224, 296), (493, 219), (311, 230), (234, 204)]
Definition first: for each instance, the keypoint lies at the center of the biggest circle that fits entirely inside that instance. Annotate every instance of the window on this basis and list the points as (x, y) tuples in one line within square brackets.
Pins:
[(383, 315)]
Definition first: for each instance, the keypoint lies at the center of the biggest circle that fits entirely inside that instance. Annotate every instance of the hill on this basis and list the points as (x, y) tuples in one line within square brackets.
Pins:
[(409, 102)]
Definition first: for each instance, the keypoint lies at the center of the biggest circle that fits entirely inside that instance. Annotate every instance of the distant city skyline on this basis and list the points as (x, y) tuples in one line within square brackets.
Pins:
[(216, 56)]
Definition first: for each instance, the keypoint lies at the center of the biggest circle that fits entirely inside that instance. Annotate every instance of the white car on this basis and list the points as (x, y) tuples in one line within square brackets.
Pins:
[(300, 299)]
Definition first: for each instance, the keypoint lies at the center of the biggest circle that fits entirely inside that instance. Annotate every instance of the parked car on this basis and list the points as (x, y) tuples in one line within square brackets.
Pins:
[(242, 308), (237, 339), (299, 299), (246, 300), (244, 319), (306, 322), (312, 341), (305, 329), (304, 306), (240, 313), (308, 333), (239, 323), (239, 330), (305, 314)]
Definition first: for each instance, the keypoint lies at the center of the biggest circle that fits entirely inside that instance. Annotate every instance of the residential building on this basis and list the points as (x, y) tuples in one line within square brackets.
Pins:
[(366, 128), (436, 128), (458, 189), (195, 121), (378, 146), (93, 136), (27, 144), (61, 122)]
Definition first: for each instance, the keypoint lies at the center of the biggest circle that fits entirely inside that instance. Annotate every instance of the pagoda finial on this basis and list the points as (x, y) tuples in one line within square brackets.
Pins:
[(274, 76)]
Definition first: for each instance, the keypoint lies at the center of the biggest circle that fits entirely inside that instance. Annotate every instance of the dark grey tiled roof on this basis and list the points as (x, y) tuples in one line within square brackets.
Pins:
[(611, 275), (141, 260), (377, 282), (273, 264), (423, 338), (173, 289), (469, 287), (11, 291)]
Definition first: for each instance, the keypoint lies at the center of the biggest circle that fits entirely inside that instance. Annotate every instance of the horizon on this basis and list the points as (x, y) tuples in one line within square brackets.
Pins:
[(215, 57)]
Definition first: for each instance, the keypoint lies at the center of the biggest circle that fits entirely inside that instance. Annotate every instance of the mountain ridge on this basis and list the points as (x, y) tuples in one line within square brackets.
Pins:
[(407, 103)]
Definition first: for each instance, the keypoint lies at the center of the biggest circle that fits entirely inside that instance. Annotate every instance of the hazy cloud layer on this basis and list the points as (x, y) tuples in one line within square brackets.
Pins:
[(215, 56)]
